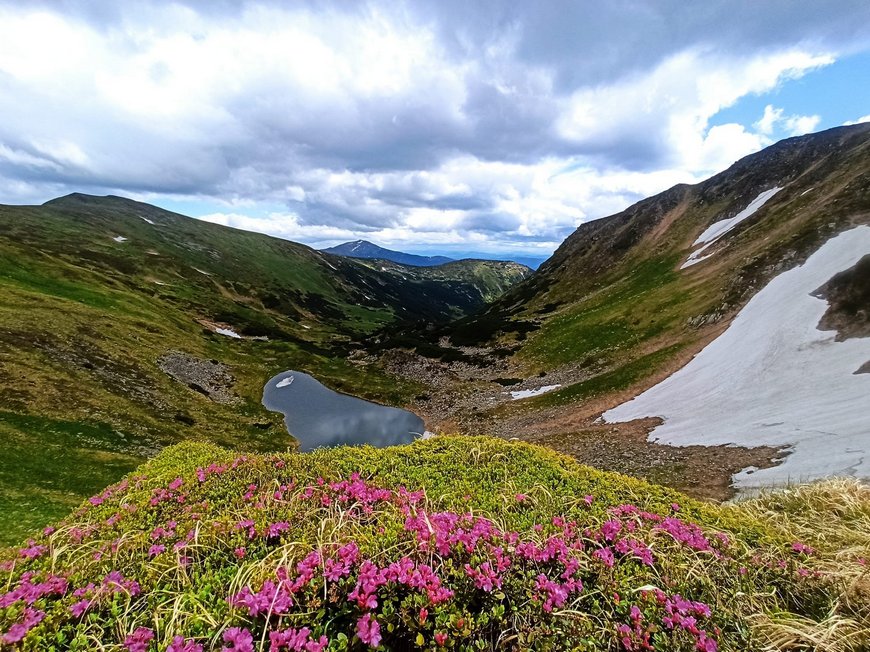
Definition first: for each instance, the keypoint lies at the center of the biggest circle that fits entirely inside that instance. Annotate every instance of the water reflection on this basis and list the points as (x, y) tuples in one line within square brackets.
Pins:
[(318, 416)]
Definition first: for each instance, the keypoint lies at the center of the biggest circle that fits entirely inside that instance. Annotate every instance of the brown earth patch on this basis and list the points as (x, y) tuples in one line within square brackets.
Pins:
[(699, 471), (848, 296)]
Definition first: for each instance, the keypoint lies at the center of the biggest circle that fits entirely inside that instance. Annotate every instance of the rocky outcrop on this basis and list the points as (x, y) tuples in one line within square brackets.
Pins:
[(208, 377)]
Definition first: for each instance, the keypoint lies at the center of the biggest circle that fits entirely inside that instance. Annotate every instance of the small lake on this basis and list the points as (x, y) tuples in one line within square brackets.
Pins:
[(317, 416)]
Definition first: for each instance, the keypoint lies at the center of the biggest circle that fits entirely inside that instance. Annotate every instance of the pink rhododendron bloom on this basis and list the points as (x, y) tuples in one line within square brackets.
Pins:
[(179, 644), (369, 631), (238, 639), (440, 639), (80, 607), (605, 555), (32, 617), (802, 548), (138, 641), (33, 550)]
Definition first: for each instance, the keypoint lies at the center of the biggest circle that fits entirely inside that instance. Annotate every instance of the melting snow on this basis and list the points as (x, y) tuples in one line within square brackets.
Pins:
[(774, 379), (526, 393), (284, 382), (229, 332), (119, 238), (147, 220), (720, 228)]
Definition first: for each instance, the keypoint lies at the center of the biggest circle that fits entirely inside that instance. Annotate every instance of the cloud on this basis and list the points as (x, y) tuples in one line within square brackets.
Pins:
[(498, 123), (792, 125), (861, 120)]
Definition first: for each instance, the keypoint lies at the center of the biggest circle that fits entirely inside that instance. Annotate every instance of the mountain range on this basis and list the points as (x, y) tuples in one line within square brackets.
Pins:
[(366, 249), (126, 327), (711, 339)]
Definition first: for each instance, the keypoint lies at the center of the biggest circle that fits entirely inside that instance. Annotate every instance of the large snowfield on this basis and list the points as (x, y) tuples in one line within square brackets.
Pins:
[(773, 378)]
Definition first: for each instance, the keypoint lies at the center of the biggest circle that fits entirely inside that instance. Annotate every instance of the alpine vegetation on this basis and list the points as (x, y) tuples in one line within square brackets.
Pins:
[(449, 543)]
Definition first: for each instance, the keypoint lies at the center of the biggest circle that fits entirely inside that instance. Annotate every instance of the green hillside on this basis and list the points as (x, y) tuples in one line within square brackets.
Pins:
[(99, 295), (451, 543), (612, 312)]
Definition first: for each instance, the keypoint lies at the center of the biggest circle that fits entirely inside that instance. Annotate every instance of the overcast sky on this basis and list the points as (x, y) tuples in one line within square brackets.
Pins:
[(443, 126)]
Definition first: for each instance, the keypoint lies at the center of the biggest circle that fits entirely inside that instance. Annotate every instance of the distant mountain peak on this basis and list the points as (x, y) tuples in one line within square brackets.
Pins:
[(366, 249)]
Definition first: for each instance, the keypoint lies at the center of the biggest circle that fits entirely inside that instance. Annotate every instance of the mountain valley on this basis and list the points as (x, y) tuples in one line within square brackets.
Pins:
[(134, 348)]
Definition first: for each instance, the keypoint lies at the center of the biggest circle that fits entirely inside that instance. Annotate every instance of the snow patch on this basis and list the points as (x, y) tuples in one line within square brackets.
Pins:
[(229, 332), (119, 238), (773, 378), (147, 220), (716, 230), (526, 393), (285, 382), (202, 271)]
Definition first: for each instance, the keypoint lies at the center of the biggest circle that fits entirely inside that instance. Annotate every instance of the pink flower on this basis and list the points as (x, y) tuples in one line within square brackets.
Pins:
[(605, 555), (138, 641), (521, 498), (440, 639), (80, 607), (179, 644), (238, 639), (369, 631), (32, 551), (18, 631), (275, 529), (802, 548)]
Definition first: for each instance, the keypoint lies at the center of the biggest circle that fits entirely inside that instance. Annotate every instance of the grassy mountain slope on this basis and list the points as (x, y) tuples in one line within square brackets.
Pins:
[(478, 281), (613, 306), (94, 292), (449, 543)]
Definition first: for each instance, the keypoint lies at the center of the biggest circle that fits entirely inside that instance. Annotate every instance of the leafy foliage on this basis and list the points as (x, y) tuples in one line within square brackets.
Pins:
[(452, 542)]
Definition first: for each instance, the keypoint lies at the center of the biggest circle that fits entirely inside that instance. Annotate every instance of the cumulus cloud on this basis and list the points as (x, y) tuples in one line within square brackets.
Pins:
[(792, 125), (498, 124)]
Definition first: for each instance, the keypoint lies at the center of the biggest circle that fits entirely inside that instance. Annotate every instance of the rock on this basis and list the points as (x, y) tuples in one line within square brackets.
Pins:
[(210, 378)]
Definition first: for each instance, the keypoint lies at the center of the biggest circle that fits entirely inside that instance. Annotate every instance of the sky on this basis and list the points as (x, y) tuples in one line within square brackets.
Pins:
[(448, 126)]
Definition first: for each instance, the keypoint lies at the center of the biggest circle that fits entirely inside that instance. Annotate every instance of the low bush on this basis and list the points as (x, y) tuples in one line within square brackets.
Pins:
[(449, 543)]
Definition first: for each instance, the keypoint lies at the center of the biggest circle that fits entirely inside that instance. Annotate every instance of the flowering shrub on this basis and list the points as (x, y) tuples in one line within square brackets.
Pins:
[(518, 550)]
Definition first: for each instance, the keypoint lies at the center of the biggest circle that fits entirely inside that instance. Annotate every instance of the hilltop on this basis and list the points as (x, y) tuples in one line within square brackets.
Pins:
[(366, 249), (449, 543)]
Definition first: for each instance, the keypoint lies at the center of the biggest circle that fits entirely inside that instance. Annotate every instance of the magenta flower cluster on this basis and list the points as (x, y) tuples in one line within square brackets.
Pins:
[(443, 562)]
